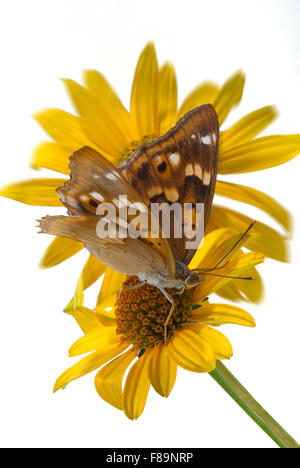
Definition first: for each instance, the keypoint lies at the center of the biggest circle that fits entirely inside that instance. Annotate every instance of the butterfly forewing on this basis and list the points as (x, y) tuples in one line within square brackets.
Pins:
[(179, 167), (93, 181)]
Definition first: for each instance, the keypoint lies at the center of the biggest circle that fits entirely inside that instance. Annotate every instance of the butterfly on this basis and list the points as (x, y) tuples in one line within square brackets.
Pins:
[(179, 167)]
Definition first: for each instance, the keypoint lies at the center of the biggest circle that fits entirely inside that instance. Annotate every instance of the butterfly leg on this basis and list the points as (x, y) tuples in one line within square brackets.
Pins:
[(173, 305), (129, 288)]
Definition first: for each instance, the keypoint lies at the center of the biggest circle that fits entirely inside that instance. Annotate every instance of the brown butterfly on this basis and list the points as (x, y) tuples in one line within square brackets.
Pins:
[(178, 167)]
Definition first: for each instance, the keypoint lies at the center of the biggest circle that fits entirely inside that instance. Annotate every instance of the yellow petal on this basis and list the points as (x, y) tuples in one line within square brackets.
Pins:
[(60, 249), (247, 128), (207, 245), (229, 95), (240, 290), (223, 246), (88, 364), (191, 352), (96, 122), (230, 292), (108, 381), (269, 242), (93, 340), (239, 266), (112, 283), (50, 155), (205, 93), (218, 342), (40, 192), (220, 314), (91, 272), (107, 306), (253, 290), (111, 104), (162, 370), (77, 299), (63, 127), (86, 319), (256, 198), (260, 153), (144, 94), (137, 387), (167, 98)]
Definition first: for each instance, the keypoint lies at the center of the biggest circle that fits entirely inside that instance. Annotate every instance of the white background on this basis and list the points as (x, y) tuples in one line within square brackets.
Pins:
[(44, 41)]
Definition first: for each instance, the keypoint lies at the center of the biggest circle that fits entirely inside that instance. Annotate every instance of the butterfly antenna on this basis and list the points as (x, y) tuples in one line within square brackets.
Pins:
[(231, 277), (234, 246)]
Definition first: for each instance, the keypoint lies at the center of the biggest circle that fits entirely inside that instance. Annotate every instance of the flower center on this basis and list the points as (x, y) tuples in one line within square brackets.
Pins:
[(142, 312), (130, 149)]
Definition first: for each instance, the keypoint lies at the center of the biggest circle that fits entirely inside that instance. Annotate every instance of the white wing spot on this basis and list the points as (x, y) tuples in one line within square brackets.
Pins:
[(206, 140), (206, 178), (175, 159), (111, 176), (189, 171), (198, 171), (97, 196), (193, 136)]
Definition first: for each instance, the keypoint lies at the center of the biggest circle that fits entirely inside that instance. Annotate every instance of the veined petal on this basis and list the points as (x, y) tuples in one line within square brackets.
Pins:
[(137, 387), (252, 290), (230, 292), (191, 352), (256, 198), (91, 272), (63, 127), (88, 364), (51, 155), (60, 249), (96, 122), (220, 314), (208, 244), (263, 239), (111, 104), (93, 340), (260, 153), (167, 98), (218, 342), (162, 370), (225, 246), (247, 128), (41, 192), (108, 381), (240, 290), (112, 283), (205, 93), (86, 319), (144, 94), (240, 265), (229, 95), (77, 299)]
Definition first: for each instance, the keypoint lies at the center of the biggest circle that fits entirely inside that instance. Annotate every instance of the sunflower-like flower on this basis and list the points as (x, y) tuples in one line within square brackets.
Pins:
[(128, 326), (104, 124)]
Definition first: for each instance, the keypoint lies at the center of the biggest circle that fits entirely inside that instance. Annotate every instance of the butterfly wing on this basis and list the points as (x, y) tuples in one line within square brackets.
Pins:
[(180, 166), (93, 181), (129, 256)]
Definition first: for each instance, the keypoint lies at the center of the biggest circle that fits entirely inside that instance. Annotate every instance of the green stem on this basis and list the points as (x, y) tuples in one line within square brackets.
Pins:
[(243, 398)]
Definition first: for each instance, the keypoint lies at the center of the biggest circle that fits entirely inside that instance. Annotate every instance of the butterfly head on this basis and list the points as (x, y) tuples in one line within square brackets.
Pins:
[(192, 279)]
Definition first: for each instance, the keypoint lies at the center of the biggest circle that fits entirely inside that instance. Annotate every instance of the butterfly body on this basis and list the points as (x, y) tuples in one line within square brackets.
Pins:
[(178, 168)]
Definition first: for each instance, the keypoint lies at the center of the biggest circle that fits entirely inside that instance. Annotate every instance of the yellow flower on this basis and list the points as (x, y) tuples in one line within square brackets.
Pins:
[(127, 330), (106, 125)]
